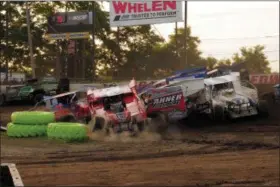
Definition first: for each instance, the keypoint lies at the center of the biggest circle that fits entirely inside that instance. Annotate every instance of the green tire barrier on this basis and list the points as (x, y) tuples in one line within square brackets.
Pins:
[(32, 117), (21, 131), (69, 132)]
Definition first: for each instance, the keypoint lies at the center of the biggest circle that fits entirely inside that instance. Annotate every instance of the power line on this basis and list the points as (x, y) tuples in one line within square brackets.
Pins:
[(241, 38), (269, 51)]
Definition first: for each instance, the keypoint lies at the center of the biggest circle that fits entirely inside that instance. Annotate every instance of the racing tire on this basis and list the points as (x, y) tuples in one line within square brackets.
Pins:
[(67, 118), (218, 113), (159, 123), (263, 108), (99, 124), (69, 132), (33, 117), (37, 98), (24, 131), (141, 126), (2, 100)]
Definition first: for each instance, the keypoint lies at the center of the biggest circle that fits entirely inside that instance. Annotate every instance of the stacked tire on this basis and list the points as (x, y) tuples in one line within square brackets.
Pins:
[(39, 123), (29, 124), (69, 132)]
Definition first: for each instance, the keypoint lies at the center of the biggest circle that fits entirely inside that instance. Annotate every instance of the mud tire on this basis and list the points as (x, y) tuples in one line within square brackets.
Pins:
[(263, 108), (218, 113), (2, 100), (98, 124), (159, 123)]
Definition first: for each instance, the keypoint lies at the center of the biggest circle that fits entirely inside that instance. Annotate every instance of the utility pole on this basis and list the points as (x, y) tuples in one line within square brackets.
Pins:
[(93, 39), (7, 36), (176, 37), (185, 33), (33, 66)]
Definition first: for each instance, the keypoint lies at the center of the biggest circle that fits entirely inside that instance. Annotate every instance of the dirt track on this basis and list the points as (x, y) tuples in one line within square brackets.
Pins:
[(243, 153)]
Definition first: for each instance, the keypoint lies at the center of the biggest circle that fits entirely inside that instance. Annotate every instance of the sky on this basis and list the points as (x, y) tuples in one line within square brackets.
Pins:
[(225, 26)]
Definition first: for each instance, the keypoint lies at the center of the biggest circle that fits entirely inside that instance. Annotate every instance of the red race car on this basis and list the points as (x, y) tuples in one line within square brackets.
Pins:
[(117, 108)]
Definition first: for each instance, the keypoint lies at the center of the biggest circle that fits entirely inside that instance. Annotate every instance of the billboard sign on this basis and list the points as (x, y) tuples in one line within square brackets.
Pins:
[(70, 22), (125, 13), (68, 36), (264, 78)]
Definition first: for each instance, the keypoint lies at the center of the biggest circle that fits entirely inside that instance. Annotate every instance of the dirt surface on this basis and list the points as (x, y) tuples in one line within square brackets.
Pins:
[(244, 153)]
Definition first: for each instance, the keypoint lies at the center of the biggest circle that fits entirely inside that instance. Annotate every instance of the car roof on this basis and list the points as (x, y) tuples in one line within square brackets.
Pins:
[(221, 79), (109, 92), (61, 95)]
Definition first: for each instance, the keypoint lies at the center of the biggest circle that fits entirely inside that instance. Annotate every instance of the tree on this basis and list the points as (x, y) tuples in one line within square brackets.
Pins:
[(254, 59), (169, 56)]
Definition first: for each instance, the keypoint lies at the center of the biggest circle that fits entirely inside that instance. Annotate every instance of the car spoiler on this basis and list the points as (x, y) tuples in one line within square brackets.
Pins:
[(194, 73), (191, 74)]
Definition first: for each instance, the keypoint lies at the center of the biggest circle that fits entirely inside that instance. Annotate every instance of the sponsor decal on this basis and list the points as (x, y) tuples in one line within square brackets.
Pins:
[(121, 117), (167, 101), (125, 13), (79, 17)]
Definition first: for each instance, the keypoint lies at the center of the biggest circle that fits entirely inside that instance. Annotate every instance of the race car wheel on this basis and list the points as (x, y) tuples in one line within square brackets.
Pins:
[(217, 112), (67, 118), (2, 100), (159, 123), (141, 126), (263, 108), (37, 98), (99, 124)]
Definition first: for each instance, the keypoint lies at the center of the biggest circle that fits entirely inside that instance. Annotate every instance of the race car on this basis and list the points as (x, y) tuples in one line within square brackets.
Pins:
[(173, 98), (227, 97), (116, 109), (69, 106)]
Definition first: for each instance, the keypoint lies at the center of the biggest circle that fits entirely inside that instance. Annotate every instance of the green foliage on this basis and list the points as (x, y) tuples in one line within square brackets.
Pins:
[(132, 52)]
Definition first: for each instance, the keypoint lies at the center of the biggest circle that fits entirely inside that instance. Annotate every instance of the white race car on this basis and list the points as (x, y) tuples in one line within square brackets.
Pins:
[(226, 97)]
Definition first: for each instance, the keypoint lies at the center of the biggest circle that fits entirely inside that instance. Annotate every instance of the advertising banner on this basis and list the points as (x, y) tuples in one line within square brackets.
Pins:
[(68, 36), (63, 22), (264, 78), (126, 13)]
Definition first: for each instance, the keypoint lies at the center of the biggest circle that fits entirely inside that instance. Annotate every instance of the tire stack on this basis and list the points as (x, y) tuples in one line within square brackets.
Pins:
[(39, 123), (69, 132), (29, 124)]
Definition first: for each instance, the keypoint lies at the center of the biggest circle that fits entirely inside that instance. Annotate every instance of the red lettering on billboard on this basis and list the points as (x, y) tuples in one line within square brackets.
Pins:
[(123, 7), (254, 79), (263, 79), (274, 79)]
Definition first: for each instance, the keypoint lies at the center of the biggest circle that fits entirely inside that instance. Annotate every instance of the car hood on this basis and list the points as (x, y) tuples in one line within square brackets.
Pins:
[(234, 98)]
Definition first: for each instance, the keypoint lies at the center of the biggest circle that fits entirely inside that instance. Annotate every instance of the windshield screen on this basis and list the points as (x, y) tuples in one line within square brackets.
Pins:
[(114, 104), (223, 89)]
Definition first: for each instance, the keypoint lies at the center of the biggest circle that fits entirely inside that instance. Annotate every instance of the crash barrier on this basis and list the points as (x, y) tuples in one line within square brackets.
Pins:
[(10, 175), (29, 123), (68, 132)]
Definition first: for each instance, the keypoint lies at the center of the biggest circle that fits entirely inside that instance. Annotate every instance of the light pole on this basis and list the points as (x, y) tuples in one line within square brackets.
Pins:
[(33, 66)]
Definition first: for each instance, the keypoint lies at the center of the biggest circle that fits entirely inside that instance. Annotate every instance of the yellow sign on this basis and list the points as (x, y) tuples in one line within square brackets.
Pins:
[(67, 36)]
